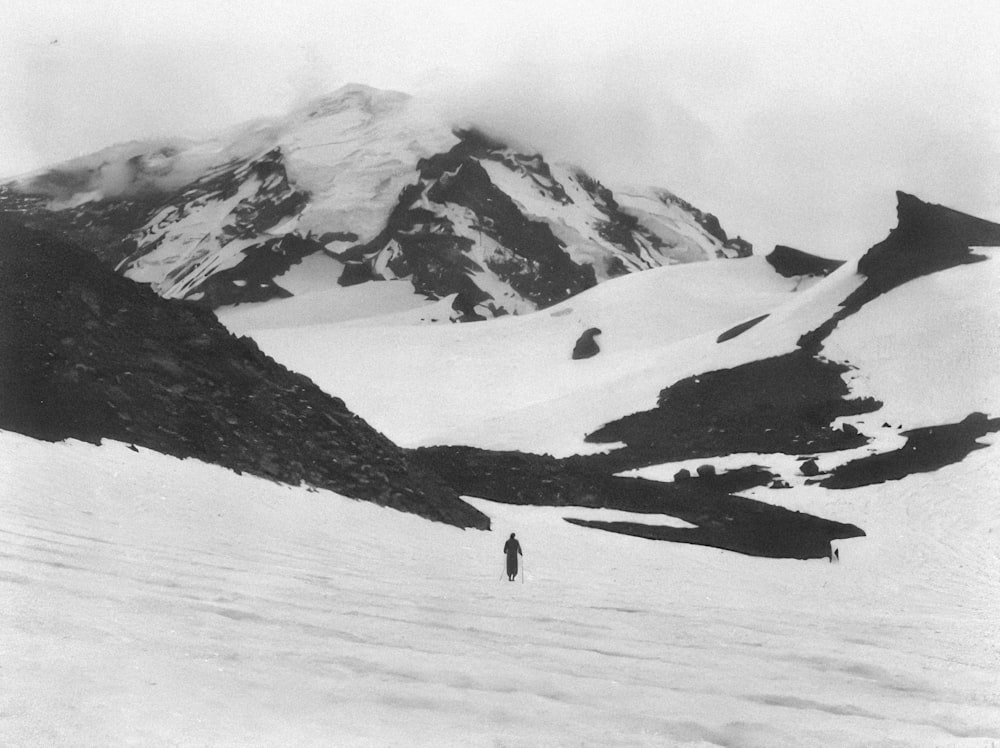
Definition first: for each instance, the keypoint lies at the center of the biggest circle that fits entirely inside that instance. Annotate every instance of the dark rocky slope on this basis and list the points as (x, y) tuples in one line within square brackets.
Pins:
[(782, 404), (87, 354)]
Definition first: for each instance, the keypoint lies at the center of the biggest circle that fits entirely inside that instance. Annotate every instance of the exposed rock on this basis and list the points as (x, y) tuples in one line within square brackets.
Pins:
[(926, 449), (790, 262), (741, 328), (927, 238), (466, 308), (586, 346), (809, 468), (682, 474), (782, 404), (706, 471)]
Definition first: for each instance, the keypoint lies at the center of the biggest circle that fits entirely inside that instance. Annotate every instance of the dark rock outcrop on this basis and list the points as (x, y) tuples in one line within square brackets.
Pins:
[(737, 330), (926, 449), (790, 262), (586, 346), (927, 239), (253, 279), (782, 404), (465, 308), (809, 468), (90, 355)]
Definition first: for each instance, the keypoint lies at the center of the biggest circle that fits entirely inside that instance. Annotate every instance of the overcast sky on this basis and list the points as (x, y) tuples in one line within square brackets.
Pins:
[(793, 124)]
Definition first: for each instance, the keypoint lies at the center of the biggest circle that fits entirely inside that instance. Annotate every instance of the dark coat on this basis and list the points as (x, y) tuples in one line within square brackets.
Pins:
[(512, 548)]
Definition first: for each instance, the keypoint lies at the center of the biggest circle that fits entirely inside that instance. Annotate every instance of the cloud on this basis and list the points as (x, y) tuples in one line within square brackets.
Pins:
[(792, 124), (821, 172), (607, 122)]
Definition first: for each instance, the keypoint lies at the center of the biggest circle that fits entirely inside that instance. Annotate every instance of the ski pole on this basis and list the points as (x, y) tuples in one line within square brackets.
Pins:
[(523, 569)]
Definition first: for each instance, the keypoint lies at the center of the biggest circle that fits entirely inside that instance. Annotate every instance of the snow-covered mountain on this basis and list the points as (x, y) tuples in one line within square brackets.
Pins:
[(358, 186)]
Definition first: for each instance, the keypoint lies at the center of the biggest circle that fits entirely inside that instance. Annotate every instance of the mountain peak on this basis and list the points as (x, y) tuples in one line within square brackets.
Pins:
[(367, 184), (916, 217), (927, 238), (356, 97)]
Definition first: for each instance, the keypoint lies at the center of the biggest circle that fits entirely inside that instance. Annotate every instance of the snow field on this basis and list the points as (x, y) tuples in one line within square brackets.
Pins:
[(154, 601), (515, 374)]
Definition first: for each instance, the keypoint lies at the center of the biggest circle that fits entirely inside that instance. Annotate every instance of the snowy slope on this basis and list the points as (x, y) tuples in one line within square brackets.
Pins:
[(143, 607), (365, 185), (930, 349), (516, 374)]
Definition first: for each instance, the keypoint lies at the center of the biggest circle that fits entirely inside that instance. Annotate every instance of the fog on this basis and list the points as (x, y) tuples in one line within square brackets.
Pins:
[(793, 125)]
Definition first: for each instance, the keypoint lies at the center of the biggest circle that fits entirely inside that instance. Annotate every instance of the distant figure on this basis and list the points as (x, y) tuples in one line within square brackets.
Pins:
[(513, 549), (834, 554)]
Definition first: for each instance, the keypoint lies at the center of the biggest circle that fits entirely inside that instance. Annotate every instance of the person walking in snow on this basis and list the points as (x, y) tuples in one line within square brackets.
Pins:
[(513, 549)]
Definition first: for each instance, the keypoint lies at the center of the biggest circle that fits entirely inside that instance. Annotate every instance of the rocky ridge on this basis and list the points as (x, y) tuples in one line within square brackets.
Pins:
[(89, 355)]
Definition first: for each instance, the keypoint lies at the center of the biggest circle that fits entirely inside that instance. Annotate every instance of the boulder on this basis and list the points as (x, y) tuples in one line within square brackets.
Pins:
[(586, 346), (809, 468)]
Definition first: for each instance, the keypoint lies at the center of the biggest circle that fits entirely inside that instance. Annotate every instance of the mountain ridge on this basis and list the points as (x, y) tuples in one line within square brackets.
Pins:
[(374, 186)]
